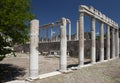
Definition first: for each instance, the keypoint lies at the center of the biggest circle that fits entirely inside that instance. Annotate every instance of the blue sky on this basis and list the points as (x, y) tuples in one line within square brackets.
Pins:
[(48, 11)]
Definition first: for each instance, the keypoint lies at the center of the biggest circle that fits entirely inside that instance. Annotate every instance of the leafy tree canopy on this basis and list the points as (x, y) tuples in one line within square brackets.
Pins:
[(14, 18)]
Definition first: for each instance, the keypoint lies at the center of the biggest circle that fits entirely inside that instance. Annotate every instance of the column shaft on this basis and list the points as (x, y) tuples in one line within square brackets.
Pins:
[(51, 35), (42, 35), (101, 42), (77, 27), (108, 43), (47, 34), (113, 43), (63, 47), (81, 39), (34, 40), (56, 38), (93, 44), (69, 31), (116, 43), (117, 33)]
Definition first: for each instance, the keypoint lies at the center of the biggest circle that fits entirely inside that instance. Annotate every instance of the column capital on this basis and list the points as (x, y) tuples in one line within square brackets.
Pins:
[(64, 21), (34, 20), (80, 15), (93, 17), (108, 26)]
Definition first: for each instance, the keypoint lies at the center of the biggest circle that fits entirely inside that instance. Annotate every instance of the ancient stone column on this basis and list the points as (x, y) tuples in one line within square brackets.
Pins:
[(63, 47), (42, 35), (77, 27), (113, 43), (101, 42), (93, 43), (69, 30), (117, 34), (34, 40), (56, 35), (116, 43), (108, 43), (51, 35), (81, 39), (47, 34)]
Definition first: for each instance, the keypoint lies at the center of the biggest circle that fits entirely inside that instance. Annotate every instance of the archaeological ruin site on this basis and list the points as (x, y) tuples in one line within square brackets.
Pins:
[(64, 51), (56, 39)]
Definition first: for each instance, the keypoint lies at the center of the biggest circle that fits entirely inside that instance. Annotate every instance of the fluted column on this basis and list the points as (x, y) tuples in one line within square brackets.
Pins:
[(93, 44), (63, 47), (81, 39), (34, 40), (108, 43), (101, 42), (113, 43)]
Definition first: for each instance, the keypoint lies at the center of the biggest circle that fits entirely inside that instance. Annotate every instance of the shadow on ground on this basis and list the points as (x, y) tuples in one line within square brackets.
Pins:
[(9, 72), (76, 65)]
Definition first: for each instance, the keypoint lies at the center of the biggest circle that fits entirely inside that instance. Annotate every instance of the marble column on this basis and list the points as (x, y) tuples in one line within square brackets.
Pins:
[(46, 34), (63, 47), (34, 40), (113, 43), (116, 43), (51, 35), (42, 35), (117, 35), (108, 43), (81, 40), (101, 42), (69, 31), (93, 43), (77, 27), (57, 34)]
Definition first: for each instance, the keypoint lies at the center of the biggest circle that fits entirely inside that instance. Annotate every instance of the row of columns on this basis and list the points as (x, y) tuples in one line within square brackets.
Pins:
[(44, 34), (52, 34), (34, 40), (115, 44)]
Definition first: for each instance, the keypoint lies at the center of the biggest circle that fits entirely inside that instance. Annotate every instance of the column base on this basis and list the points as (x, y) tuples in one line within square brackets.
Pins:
[(65, 71), (101, 60), (93, 62), (117, 56), (80, 66), (30, 79)]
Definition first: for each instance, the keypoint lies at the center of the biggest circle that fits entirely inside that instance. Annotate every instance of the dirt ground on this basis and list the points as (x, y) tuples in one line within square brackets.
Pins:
[(17, 68)]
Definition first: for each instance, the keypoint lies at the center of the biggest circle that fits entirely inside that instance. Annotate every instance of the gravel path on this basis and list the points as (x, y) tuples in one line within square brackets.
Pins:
[(17, 68)]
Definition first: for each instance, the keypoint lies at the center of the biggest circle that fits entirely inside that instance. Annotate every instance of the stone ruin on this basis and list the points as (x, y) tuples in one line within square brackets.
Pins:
[(112, 42)]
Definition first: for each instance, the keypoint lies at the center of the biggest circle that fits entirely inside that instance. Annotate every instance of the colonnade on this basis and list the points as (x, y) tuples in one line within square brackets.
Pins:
[(111, 25), (54, 35)]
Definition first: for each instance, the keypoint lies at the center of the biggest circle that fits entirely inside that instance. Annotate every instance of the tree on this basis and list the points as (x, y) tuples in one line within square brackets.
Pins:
[(14, 18)]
